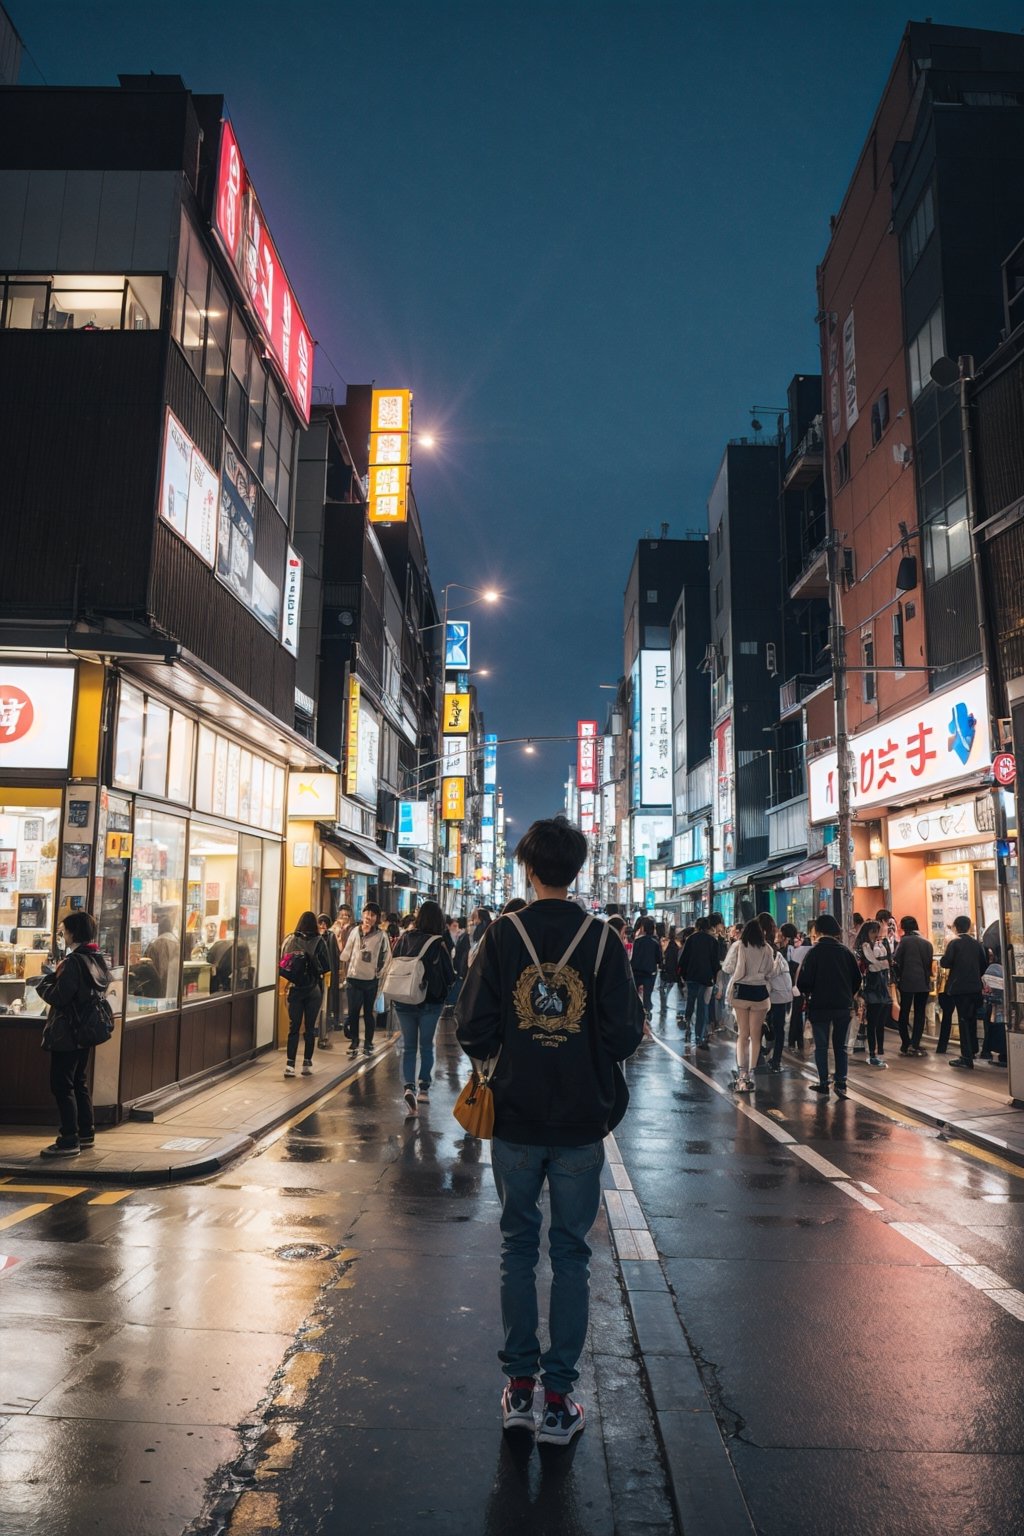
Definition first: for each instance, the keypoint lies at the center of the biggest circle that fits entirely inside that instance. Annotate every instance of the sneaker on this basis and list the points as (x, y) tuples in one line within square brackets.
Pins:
[(367, 1050), (917, 1050), (423, 1097), (59, 1148), (353, 1050), (409, 1095), (840, 1090), (563, 1419), (86, 1141), (958, 1061), (289, 1070), (307, 1067), (819, 1087), (517, 1404), (881, 1062)]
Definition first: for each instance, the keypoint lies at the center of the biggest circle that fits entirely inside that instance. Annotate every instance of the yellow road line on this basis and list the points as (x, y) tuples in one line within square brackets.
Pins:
[(65, 1191), (30, 1210), (985, 1156), (110, 1197)]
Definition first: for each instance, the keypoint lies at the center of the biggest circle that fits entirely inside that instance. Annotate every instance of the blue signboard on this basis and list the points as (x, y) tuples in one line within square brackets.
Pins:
[(640, 866), (456, 645), (649, 901)]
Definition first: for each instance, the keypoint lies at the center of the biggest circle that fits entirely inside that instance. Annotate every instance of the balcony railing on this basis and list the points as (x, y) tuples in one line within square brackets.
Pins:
[(787, 827), (812, 578), (805, 462), (795, 689)]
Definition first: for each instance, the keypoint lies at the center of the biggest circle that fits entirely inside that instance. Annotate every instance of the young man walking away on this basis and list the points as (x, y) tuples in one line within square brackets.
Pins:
[(550, 995), (830, 979)]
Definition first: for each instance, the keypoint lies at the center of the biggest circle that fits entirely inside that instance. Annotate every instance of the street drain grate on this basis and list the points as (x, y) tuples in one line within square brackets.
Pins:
[(305, 1251)]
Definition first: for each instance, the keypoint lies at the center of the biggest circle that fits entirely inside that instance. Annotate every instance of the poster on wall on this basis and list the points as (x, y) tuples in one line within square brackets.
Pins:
[(266, 599), (236, 539), (188, 491), (948, 899), (291, 606), (368, 753)]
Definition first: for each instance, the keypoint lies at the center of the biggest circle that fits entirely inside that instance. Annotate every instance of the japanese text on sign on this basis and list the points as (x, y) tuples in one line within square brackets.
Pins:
[(656, 729), (586, 754), (456, 714)]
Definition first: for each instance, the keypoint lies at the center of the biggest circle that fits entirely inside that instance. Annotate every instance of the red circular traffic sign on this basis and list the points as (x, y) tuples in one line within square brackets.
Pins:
[(1004, 768)]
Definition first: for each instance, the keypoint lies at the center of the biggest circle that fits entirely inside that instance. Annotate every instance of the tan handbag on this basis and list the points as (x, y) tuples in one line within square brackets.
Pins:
[(474, 1107)]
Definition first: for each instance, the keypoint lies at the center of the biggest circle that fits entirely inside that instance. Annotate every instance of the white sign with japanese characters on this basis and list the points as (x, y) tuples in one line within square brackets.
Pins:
[(655, 729), (35, 716), (941, 739)]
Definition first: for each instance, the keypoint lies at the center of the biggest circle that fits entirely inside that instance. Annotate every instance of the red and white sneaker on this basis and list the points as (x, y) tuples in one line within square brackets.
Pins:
[(564, 1418), (517, 1404)]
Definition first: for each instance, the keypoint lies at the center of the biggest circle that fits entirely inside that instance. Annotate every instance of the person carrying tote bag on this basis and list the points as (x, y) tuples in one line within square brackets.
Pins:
[(749, 965)]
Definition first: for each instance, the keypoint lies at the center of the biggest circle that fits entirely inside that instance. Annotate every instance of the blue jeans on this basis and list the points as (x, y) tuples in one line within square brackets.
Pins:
[(698, 992), (573, 1177), (418, 1023), (838, 1025)]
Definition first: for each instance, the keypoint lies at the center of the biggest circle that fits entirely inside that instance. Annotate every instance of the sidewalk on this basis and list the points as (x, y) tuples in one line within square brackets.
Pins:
[(196, 1137)]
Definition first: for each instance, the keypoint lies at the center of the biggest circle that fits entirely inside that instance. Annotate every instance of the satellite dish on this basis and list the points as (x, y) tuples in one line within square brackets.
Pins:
[(945, 372)]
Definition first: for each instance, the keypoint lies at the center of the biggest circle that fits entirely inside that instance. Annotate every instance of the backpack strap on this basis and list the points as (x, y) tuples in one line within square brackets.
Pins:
[(581, 930), (602, 941), (516, 922), (520, 929)]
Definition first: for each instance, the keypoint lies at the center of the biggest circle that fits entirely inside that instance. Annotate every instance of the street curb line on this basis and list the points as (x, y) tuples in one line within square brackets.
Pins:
[(703, 1485), (205, 1166)]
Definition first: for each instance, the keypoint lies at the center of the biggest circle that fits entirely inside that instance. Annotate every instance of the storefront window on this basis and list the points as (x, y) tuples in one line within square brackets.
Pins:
[(250, 865), (179, 775), (128, 745), (154, 758), (154, 942), (28, 874), (211, 912), (110, 892)]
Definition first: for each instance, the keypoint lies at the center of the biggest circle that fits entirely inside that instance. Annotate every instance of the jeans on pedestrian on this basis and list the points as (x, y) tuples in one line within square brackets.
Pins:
[(303, 1010), (698, 995), (361, 995), (70, 1088), (878, 1015), (778, 1015), (573, 1176), (919, 1002), (834, 1025), (418, 1023), (749, 1019), (645, 986), (967, 1005)]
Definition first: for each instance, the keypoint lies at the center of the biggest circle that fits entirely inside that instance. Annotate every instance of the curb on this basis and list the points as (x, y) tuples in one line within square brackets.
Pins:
[(964, 1130), (35, 1169)]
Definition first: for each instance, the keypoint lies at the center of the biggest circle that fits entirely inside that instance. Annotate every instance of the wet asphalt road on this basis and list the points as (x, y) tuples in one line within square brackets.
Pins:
[(307, 1343)]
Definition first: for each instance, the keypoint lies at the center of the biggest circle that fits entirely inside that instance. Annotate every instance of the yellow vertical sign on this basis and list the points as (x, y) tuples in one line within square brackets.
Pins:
[(456, 714), (352, 737), (453, 799), (390, 455)]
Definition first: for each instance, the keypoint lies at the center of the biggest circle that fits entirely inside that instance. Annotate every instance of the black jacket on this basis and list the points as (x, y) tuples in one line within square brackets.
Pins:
[(437, 963), (82, 974), (966, 961), (461, 956), (829, 978), (555, 1081), (700, 961), (646, 957), (670, 962), (912, 963)]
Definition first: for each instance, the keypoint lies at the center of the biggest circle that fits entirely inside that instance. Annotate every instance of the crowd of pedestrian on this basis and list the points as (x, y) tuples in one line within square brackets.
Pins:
[(770, 983)]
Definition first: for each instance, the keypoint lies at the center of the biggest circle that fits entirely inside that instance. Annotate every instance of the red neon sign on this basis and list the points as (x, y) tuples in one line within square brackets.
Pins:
[(240, 227), (586, 754)]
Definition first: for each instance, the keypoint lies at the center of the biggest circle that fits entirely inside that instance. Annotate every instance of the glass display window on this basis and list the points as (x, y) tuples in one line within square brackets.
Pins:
[(156, 900), (29, 837), (110, 887), (156, 745), (250, 886), (131, 710), (211, 912), (179, 764)]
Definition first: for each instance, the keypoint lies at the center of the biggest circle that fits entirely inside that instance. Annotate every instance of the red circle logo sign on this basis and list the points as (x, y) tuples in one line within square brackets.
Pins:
[(1004, 768), (16, 714)]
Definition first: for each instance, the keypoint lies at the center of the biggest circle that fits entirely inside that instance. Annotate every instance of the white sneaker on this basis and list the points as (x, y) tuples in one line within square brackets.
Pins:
[(307, 1068), (409, 1095), (561, 1421), (289, 1070), (423, 1097)]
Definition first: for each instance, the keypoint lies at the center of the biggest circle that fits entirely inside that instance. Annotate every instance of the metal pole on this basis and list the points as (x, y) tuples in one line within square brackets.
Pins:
[(843, 904), (966, 371)]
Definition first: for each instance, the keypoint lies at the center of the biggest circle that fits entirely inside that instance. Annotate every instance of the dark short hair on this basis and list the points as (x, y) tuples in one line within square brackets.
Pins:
[(827, 926), (343, 906), (80, 927), (514, 904), (789, 931), (430, 918), (702, 924), (618, 922), (646, 925), (909, 925), (883, 915), (323, 918), (753, 934), (715, 917), (306, 927), (554, 850), (962, 924), (369, 906)]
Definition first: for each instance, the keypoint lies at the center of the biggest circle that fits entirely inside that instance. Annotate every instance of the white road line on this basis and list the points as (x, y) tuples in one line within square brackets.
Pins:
[(939, 1248)]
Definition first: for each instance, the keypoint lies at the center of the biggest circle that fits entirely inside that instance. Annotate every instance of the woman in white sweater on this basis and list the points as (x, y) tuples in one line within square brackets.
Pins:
[(749, 965)]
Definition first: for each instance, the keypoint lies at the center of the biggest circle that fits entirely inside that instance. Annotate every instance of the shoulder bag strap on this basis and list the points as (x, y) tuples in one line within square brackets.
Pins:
[(602, 941)]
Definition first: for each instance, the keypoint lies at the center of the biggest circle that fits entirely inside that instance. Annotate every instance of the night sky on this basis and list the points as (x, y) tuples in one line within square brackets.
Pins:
[(584, 234)]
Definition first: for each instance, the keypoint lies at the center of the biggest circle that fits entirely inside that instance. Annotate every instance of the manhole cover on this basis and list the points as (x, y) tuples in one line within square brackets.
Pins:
[(305, 1251)]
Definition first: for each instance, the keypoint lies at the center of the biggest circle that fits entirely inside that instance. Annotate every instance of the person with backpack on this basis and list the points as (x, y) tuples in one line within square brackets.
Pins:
[(550, 1005), (699, 965), (79, 1018), (419, 978), (367, 955), (645, 962), (305, 959), (873, 959)]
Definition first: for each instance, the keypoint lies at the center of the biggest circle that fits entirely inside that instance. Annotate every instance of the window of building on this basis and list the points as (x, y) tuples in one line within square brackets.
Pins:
[(652, 597), (218, 315), (919, 231), (718, 598), (155, 747), (87, 301), (152, 746), (870, 677), (879, 417), (154, 936), (926, 346), (230, 776), (211, 903), (29, 837), (898, 649), (131, 711), (842, 464), (748, 647)]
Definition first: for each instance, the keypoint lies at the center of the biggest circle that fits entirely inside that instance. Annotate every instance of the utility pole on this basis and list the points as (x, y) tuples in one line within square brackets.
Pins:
[(837, 646)]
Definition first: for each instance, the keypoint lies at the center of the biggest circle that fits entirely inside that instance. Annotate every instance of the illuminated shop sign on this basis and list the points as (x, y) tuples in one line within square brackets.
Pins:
[(586, 754), (453, 799), (292, 603), (413, 824), (35, 716), (240, 227), (655, 729), (390, 455)]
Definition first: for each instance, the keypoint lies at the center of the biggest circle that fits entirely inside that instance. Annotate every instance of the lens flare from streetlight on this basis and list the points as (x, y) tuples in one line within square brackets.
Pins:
[(530, 748), (426, 440), (491, 595)]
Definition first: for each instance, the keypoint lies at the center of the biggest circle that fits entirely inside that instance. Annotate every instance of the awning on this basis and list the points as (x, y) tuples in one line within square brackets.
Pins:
[(815, 872), (362, 856)]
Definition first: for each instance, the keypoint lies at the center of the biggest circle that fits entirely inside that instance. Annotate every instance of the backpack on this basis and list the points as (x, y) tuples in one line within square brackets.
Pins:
[(92, 1023), (297, 968), (407, 977)]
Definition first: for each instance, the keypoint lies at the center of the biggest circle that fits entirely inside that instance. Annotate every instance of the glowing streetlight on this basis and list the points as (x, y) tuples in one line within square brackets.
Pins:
[(426, 440)]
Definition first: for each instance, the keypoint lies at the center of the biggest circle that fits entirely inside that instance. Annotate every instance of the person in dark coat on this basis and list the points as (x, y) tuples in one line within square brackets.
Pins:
[(82, 975), (645, 962), (912, 965), (669, 968), (966, 961), (830, 980), (306, 995), (699, 964)]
